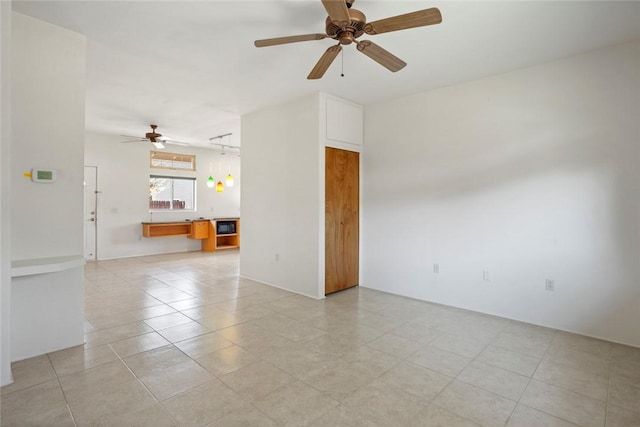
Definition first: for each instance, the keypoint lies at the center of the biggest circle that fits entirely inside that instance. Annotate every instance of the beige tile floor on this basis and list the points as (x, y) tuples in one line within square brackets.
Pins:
[(181, 340)]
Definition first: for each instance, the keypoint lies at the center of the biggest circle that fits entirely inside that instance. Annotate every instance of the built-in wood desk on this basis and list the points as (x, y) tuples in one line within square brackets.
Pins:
[(165, 229), (200, 229)]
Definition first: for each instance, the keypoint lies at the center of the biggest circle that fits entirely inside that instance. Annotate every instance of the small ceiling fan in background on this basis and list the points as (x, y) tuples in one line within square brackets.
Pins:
[(155, 138), (345, 25)]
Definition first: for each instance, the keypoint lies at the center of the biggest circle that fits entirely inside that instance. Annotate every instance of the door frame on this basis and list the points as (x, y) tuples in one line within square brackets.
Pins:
[(95, 209), (321, 214)]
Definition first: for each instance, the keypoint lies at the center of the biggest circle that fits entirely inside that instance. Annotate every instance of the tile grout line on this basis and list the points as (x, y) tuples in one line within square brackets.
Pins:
[(606, 404), (66, 401), (143, 384), (451, 379), (532, 378), (474, 359)]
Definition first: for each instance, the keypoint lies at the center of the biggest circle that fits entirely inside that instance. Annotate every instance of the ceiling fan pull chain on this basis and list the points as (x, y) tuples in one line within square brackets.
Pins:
[(342, 59)]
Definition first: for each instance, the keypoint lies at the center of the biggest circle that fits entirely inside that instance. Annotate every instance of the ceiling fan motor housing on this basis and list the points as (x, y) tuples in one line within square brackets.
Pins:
[(151, 136), (352, 30)]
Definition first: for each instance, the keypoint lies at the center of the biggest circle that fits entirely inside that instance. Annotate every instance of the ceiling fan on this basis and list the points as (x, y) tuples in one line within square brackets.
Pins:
[(155, 138), (345, 25)]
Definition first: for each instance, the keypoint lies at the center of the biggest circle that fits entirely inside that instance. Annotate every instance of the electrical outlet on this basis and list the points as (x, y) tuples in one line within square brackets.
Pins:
[(550, 285), (486, 276), (436, 268)]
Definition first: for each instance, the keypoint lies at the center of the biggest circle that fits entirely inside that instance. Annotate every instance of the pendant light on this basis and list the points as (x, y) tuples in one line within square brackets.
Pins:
[(229, 180), (219, 185), (229, 177), (210, 181)]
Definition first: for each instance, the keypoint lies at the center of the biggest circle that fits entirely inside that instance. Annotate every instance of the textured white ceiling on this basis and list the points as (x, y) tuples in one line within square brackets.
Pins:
[(191, 67)]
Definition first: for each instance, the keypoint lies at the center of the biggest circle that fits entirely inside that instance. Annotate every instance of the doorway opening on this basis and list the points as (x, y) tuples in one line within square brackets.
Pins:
[(90, 212)]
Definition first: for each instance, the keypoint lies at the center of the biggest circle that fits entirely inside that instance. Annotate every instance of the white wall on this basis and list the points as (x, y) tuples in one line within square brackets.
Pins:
[(47, 125), (47, 132), (280, 196), (5, 192), (123, 201), (531, 175), (47, 311)]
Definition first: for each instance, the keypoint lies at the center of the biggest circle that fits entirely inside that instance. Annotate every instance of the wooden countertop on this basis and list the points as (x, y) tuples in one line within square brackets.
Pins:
[(187, 221)]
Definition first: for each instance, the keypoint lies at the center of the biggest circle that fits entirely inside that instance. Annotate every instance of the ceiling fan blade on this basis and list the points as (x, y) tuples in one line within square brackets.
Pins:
[(324, 62), (171, 142), (289, 39), (135, 140), (337, 11), (402, 22), (381, 56)]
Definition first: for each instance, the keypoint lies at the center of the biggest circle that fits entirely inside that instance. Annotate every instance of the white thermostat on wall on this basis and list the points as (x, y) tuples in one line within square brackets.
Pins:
[(43, 175)]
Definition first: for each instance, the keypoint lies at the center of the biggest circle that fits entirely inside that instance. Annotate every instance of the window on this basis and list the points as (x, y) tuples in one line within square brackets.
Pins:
[(172, 193), (162, 160)]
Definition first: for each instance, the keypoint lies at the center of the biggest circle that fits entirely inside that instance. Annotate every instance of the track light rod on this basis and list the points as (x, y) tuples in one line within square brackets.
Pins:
[(220, 136)]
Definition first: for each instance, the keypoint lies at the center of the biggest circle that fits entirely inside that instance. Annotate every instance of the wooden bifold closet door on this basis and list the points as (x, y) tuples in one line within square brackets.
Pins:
[(342, 213)]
